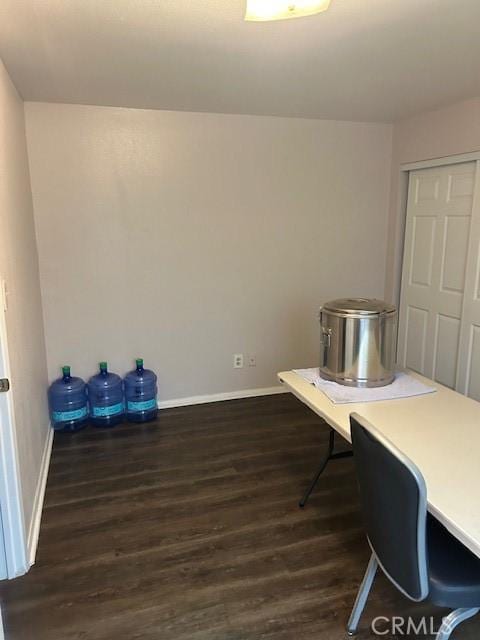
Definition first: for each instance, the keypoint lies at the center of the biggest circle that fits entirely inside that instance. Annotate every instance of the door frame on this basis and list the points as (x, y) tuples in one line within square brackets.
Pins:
[(11, 503), (403, 178)]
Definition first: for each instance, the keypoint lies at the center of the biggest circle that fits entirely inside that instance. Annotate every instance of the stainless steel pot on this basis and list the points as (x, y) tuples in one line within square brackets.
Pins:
[(358, 342)]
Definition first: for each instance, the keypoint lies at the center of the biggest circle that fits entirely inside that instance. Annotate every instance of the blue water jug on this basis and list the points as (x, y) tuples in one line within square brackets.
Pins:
[(141, 394), (67, 399), (105, 396)]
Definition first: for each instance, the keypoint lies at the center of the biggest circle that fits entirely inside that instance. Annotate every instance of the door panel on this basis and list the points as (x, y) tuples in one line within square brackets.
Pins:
[(456, 234), (473, 364), (416, 330), (461, 185), (427, 187), (468, 369), (437, 240), (423, 239), (446, 350)]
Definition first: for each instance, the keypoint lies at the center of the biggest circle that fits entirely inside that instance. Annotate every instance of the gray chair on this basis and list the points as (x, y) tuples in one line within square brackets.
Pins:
[(419, 556)]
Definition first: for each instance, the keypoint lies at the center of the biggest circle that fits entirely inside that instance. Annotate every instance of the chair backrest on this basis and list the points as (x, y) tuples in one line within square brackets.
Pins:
[(394, 504)]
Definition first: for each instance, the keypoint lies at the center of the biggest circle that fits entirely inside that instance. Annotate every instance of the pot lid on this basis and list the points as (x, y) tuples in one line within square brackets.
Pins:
[(359, 306)]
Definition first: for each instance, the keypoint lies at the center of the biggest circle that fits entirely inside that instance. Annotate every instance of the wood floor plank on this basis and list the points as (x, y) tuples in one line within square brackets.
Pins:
[(189, 529)]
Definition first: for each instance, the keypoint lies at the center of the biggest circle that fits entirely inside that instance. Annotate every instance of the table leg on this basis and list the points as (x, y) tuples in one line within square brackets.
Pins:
[(329, 455)]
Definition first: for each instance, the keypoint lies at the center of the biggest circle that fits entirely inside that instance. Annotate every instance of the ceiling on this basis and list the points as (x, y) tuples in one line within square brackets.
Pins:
[(372, 60)]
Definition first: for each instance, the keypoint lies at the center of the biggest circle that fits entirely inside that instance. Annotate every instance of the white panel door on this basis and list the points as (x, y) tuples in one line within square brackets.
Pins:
[(468, 370), (13, 560), (437, 239)]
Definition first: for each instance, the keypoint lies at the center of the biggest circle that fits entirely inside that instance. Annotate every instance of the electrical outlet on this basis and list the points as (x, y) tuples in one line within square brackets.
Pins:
[(252, 361), (238, 360)]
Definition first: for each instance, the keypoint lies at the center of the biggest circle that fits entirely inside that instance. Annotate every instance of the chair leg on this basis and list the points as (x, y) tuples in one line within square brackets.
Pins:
[(453, 620), (362, 596)]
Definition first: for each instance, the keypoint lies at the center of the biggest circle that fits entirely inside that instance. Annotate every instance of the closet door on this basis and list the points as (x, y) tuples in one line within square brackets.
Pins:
[(468, 370), (439, 213)]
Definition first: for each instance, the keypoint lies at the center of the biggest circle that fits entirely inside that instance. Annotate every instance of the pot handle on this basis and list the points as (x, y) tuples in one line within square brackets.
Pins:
[(326, 336), (325, 341)]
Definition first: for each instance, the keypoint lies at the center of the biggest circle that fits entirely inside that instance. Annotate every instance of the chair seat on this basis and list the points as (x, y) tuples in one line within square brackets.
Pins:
[(454, 572)]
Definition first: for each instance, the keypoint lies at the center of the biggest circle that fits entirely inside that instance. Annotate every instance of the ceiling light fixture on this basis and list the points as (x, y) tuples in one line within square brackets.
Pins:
[(264, 10)]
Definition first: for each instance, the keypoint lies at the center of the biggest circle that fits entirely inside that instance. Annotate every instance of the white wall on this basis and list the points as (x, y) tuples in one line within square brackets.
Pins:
[(19, 266), (185, 238), (449, 131)]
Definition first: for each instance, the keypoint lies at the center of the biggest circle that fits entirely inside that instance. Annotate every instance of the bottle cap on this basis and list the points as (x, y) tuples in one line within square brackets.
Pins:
[(103, 366), (66, 370), (139, 363)]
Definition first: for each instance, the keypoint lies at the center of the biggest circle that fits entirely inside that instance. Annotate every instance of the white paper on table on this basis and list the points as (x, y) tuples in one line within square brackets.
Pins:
[(404, 386)]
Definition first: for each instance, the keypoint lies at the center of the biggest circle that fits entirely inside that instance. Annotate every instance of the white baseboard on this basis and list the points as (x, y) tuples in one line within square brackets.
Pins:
[(220, 397), (34, 530)]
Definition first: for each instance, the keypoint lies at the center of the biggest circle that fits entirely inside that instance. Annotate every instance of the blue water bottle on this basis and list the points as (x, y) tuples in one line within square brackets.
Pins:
[(141, 394), (105, 396), (67, 399)]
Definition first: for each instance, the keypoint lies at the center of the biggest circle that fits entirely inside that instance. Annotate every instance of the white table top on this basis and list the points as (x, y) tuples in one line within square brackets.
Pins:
[(439, 432)]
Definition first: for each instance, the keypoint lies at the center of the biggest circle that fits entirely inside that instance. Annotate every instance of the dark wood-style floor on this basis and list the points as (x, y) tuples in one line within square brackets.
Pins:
[(189, 529)]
